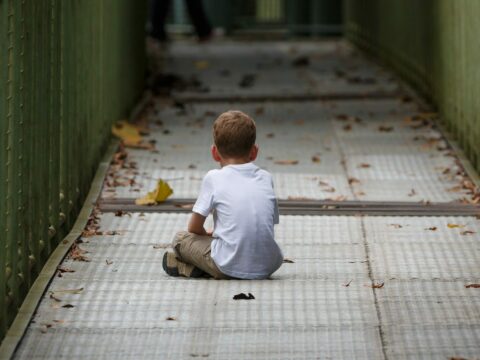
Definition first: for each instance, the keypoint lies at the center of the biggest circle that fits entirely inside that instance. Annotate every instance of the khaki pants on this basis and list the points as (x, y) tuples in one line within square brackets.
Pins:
[(194, 250)]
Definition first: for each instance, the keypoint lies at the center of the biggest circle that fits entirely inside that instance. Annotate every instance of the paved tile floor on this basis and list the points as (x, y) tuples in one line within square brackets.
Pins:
[(329, 303)]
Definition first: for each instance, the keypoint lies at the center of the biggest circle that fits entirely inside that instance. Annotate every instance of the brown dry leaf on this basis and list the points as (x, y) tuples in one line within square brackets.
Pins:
[(108, 262), (396, 226), (329, 189), (288, 261), (270, 135), (468, 232), (160, 246), (472, 286), (347, 127), (338, 198), (259, 110), (348, 283), (433, 228), (185, 206), (454, 226), (67, 291), (352, 180), (53, 297), (67, 306), (323, 183), (316, 159), (286, 162), (364, 165), (78, 254), (171, 318), (65, 270), (299, 122), (377, 286), (385, 128), (457, 188), (412, 193)]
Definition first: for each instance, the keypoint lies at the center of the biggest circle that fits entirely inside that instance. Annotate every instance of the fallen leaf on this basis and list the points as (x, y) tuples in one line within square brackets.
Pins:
[(67, 306), (259, 110), (301, 61), (171, 318), (67, 291), (247, 81), (108, 262), (299, 122), (121, 213), (467, 232), (286, 162), (457, 188), (433, 228), (385, 128), (338, 198), (192, 166), (347, 284), (160, 194), (316, 159), (270, 135), (377, 286), (185, 206), (161, 246), (352, 180), (127, 132), (347, 127), (53, 297), (78, 254), (201, 64), (412, 193), (65, 270), (453, 226), (364, 165), (242, 296), (288, 261), (396, 226), (473, 286)]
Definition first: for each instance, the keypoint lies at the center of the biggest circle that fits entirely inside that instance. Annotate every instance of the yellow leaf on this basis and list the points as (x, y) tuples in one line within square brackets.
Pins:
[(452, 226), (201, 64), (127, 132), (161, 193)]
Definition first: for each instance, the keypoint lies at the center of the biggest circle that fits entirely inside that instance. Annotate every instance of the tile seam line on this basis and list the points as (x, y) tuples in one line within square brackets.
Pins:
[(31, 302), (381, 333)]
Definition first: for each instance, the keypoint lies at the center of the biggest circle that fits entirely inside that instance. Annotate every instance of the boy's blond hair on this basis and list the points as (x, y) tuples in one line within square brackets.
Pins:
[(234, 134)]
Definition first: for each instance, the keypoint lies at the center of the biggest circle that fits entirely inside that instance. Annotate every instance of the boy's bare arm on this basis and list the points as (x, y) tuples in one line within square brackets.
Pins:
[(195, 225)]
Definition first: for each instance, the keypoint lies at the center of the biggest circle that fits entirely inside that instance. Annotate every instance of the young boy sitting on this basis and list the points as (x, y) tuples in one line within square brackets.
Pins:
[(244, 206)]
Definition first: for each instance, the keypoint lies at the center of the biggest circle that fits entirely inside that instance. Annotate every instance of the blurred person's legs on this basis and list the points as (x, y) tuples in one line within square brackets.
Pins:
[(199, 19), (159, 15)]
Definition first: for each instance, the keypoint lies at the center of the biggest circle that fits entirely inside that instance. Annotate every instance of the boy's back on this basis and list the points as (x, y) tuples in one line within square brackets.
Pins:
[(245, 210)]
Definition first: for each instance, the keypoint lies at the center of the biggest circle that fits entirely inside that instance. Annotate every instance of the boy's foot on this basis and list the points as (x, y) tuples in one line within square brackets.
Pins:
[(174, 267)]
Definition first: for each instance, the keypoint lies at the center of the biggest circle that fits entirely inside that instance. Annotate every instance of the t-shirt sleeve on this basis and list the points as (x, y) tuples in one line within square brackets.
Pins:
[(204, 203), (276, 214)]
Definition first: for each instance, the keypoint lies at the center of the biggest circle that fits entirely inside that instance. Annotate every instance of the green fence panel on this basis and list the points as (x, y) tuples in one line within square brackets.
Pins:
[(434, 44), (68, 69)]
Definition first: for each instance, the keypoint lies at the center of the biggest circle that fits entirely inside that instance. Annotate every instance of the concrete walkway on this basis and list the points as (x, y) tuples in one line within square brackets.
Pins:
[(331, 126)]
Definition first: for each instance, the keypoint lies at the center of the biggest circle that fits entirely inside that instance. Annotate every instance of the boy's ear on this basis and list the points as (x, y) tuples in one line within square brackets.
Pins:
[(215, 153), (253, 152)]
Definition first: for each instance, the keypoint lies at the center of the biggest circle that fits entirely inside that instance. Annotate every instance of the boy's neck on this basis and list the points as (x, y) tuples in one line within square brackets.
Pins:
[(234, 161)]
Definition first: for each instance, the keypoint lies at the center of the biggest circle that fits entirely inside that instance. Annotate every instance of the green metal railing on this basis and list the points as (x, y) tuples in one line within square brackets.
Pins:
[(68, 70), (435, 45)]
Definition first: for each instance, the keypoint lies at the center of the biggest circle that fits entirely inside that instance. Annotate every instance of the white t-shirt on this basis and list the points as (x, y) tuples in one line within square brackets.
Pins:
[(245, 212)]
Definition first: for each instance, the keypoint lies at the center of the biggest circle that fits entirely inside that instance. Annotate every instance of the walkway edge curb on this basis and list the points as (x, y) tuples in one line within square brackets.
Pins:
[(30, 303)]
